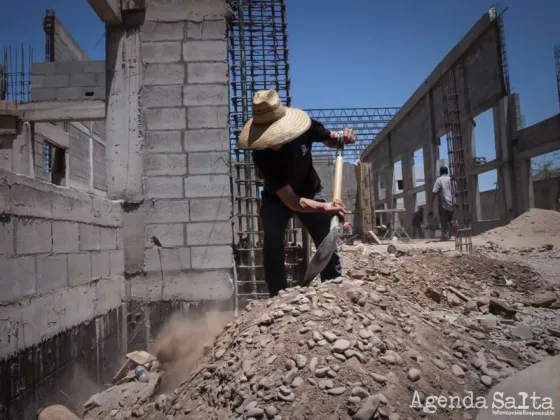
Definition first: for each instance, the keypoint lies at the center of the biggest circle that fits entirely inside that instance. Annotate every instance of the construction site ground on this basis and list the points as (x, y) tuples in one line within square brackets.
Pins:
[(394, 330)]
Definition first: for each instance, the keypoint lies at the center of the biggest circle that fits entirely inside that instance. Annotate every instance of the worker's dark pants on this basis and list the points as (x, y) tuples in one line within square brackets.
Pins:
[(417, 232), (275, 216), (446, 217)]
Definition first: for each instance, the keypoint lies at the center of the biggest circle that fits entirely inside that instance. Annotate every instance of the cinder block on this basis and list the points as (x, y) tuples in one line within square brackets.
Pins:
[(196, 95), (180, 10), (70, 67), (84, 79), (43, 68), (66, 237), (33, 236), (167, 211), (207, 29), (164, 187), (205, 51), (116, 262), (90, 237), (207, 73), (164, 74), (160, 96), (79, 268), (17, 278), (100, 264), (108, 294), (172, 259), (165, 164), (37, 81), (163, 31), (207, 140), (108, 238), (204, 186), (163, 141), (94, 66), (7, 247), (216, 233), (209, 163), (207, 117), (43, 94), (28, 201), (57, 80), (210, 209), (161, 52), (169, 234), (211, 257), (52, 272), (166, 119)]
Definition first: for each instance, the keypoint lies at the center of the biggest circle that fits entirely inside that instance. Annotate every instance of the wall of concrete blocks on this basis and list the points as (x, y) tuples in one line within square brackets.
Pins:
[(68, 80), (188, 204), (61, 260), (476, 62), (65, 46)]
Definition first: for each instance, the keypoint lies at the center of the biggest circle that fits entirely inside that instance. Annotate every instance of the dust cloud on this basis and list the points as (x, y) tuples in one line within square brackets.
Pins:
[(183, 340)]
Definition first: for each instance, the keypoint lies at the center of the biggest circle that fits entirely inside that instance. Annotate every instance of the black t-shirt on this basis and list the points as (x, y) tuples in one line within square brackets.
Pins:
[(292, 164)]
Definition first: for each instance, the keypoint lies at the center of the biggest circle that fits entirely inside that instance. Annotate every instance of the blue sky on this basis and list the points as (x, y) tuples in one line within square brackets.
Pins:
[(361, 53)]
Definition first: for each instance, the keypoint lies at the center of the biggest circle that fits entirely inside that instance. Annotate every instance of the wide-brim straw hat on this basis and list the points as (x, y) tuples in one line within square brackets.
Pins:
[(272, 124)]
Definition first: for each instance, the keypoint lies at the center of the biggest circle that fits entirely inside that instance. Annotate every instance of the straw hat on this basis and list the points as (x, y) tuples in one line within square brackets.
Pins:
[(272, 124)]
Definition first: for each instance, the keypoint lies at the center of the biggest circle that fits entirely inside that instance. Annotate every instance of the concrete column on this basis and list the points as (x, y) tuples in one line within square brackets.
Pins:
[(524, 186), (389, 174), (431, 155), (124, 137), (502, 133), (472, 178), (408, 181), (21, 150)]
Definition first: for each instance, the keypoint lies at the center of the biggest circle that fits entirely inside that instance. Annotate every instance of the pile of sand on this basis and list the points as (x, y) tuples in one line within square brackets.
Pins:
[(393, 331), (534, 228)]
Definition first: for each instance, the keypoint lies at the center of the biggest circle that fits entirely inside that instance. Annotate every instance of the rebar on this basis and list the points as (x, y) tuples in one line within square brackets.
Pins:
[(15, 74), (457, 168), (498, 11)]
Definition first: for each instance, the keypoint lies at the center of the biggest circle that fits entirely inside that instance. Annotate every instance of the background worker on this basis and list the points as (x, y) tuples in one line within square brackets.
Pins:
[(281, 139), (444, 195)]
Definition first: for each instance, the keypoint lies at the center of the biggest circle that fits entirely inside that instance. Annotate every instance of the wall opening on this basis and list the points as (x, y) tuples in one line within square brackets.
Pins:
[(418, 168), (490, 200), (398, 185), (443, 155), (545, 174), (484, 138)]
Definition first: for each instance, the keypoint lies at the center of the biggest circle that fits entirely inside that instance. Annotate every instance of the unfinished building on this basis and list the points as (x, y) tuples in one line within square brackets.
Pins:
[(123, 196), (471, 79)]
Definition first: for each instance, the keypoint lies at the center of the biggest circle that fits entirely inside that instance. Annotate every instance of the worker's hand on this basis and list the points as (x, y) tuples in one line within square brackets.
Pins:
[(349, 136), (336, 208)]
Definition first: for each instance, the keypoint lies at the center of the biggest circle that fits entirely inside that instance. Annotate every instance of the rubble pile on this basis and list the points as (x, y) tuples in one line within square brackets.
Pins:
[(394, 330)]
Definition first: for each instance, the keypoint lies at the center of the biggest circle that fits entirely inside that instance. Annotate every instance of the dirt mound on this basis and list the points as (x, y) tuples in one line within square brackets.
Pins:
[(535, 227), (393, 332)]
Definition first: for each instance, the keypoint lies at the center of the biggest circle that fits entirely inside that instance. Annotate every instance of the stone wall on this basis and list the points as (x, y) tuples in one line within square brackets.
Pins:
[(61, 260)]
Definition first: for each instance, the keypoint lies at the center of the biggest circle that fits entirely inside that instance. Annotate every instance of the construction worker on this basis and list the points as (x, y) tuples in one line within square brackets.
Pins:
[(444, 196), (281, 139), (417, 221)]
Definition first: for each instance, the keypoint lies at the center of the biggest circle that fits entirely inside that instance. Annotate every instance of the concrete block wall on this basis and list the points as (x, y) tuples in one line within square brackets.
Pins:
[(187, 185), (68, 80), (61, 260)]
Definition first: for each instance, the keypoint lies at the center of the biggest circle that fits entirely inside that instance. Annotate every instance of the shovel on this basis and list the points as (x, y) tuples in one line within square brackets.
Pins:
[(328, 246)]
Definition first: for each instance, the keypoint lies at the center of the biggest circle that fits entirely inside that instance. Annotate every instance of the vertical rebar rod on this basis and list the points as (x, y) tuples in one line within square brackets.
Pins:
[(557, 63)]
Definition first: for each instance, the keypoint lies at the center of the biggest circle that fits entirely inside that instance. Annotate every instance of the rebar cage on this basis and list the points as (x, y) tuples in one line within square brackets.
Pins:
[(258, 59)]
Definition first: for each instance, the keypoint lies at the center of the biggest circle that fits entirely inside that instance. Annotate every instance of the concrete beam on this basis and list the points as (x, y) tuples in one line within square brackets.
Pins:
[(109, 11), (63, 111), (488, 166), (540, 138), (54, 134), (437, 74)]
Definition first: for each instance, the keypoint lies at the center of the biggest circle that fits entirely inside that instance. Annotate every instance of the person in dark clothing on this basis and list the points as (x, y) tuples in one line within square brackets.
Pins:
[(282, 139), (417, 221)]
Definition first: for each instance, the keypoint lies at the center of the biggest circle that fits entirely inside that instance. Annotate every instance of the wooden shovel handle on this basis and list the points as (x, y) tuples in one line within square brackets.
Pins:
[(337, 182)]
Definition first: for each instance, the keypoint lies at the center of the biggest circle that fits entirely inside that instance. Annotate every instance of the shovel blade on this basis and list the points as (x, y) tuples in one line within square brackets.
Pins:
[(321, 257)]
